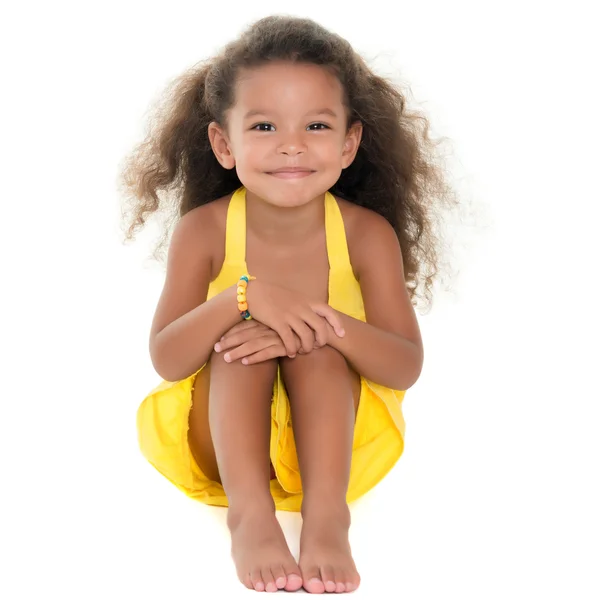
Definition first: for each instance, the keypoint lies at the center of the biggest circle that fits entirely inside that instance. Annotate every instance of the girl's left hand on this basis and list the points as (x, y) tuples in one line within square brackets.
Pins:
[(252, 342)]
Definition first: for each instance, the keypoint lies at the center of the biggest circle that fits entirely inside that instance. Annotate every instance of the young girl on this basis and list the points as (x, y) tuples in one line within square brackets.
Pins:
[(285, 332)]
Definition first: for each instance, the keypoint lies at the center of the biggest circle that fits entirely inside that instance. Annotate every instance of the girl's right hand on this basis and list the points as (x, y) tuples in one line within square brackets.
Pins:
[(290, 313)]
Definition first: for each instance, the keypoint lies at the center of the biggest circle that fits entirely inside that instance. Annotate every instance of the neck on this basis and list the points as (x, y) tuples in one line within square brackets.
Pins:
[(284, 224)]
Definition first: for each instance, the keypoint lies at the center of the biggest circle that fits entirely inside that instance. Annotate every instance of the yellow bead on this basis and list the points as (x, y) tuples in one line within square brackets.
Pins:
[(241, 298), (242, 283), (241, 290), (242, 306)]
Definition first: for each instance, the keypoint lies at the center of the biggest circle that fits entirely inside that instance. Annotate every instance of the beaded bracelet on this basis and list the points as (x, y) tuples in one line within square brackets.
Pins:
[(241, 296)]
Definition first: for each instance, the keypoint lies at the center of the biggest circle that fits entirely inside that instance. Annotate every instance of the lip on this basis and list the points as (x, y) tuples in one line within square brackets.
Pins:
[(291, 172)]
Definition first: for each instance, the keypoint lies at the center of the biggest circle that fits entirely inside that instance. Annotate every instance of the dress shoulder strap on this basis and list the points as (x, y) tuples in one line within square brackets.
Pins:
[(235, 229), (337, 245)]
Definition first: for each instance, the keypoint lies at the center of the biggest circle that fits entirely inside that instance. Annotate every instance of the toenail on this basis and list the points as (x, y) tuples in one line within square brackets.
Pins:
[(280, 582), (260, 587)]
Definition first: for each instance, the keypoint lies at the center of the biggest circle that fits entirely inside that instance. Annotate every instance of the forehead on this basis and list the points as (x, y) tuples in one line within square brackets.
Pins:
[(293, 86)]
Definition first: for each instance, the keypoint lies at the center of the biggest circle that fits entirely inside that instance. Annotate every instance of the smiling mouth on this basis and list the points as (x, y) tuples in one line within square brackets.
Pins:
[(291, 173)]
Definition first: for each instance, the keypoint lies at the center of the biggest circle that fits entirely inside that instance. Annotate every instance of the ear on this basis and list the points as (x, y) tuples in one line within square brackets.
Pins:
[(351, 144), (221, 145)]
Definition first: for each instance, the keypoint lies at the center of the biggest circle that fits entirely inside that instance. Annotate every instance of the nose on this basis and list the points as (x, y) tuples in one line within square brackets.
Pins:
[(292, 145)]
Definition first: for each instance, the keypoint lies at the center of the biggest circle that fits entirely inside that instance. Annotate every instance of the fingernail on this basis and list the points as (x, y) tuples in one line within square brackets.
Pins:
[(244, 361), (222, 338), (217, 347), (227, 358)]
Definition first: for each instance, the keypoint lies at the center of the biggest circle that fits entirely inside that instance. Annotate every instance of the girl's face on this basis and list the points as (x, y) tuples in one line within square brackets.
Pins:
[(287, 133)]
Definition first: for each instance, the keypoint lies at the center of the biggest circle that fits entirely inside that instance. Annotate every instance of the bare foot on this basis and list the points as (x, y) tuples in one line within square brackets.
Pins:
[(262, 558), (325, 557)]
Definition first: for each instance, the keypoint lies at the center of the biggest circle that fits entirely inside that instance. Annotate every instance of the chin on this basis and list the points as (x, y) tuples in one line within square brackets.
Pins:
[(291, 197), (285, 193)]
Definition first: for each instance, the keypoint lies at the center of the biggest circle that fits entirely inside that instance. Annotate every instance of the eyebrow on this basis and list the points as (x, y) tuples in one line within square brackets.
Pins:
[(323, 111)]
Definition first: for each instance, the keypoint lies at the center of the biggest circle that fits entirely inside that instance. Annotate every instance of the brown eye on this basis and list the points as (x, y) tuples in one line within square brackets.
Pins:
[(318, 125), (262, 125)]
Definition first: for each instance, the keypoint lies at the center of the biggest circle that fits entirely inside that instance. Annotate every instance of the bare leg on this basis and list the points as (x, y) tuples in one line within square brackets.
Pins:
[(324, 395), (232, 405)]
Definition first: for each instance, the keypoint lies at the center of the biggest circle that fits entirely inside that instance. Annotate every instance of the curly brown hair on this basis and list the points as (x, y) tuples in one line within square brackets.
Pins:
[(395, 173)]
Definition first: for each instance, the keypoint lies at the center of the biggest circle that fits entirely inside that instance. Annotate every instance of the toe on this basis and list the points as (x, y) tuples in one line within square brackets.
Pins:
[(312, 580), (257, 582), (353, 582), (314, 586), (328, 578), (340, 581), (294, 582), (269, 580), (292, 575), (279, 576)]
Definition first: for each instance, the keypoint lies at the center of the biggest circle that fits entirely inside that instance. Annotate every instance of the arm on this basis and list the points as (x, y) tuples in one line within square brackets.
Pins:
[(186, 326), (387, 349), (383, 357)]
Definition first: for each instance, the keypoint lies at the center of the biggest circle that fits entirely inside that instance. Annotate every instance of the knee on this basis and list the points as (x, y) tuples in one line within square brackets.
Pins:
[(326, 359), (322, 369)]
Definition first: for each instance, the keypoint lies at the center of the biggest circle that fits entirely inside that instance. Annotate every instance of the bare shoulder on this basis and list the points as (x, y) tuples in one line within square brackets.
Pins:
[(202, 231), (205, 219), (369, 235)]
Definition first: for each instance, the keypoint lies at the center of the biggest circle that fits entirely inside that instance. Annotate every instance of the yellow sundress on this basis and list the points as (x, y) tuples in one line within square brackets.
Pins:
[(162, 418)]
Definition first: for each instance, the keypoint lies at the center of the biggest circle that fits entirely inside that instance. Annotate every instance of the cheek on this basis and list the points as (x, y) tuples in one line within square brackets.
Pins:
[(329, 150), (254, 151)]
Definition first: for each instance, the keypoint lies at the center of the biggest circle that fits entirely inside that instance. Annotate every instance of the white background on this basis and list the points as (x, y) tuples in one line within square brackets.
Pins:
[(497, 493)]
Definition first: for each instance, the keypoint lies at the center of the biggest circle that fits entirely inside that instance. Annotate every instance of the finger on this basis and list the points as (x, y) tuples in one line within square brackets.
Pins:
[(332, 317), (288, 339), (245, 325), (240, 338), (269, 353), (251, 347), (241, 326), (245, 335), (304, 332), (297, 342), (319, 326)]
